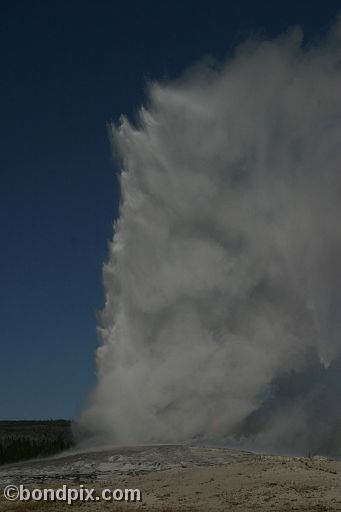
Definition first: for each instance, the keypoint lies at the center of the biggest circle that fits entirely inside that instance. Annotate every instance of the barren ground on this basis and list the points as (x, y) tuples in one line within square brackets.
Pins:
[(186, 478)]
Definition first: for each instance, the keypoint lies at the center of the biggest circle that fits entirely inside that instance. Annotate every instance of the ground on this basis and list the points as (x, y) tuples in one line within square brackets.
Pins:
[(186, 478)]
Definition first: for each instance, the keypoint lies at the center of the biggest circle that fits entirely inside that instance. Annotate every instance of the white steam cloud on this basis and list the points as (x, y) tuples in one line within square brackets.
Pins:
[(224, 270)]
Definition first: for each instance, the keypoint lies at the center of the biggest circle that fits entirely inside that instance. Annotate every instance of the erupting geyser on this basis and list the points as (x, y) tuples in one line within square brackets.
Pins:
[(223, 285)]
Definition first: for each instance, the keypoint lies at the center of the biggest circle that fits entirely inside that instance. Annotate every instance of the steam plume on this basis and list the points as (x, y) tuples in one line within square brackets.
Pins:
[(223, 284)]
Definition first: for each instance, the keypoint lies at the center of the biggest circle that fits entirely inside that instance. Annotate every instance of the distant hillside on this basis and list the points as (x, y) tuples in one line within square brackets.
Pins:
[(21, 440), (36, 430)]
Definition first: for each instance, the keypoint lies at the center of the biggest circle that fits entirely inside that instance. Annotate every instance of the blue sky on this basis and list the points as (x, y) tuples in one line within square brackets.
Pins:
[(69, 67)]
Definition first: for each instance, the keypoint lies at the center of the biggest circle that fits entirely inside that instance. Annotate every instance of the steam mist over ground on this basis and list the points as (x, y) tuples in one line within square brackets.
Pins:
[(223, 285)]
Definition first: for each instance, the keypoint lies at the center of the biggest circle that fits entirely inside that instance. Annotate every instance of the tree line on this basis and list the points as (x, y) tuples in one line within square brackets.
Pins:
[(13, 449)]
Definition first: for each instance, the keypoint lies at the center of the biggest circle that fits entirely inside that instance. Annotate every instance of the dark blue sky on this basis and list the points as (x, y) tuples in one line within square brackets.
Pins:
[(68, 67)]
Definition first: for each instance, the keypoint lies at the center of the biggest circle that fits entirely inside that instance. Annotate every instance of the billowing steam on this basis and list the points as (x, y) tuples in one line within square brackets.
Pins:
[(223, 285)]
